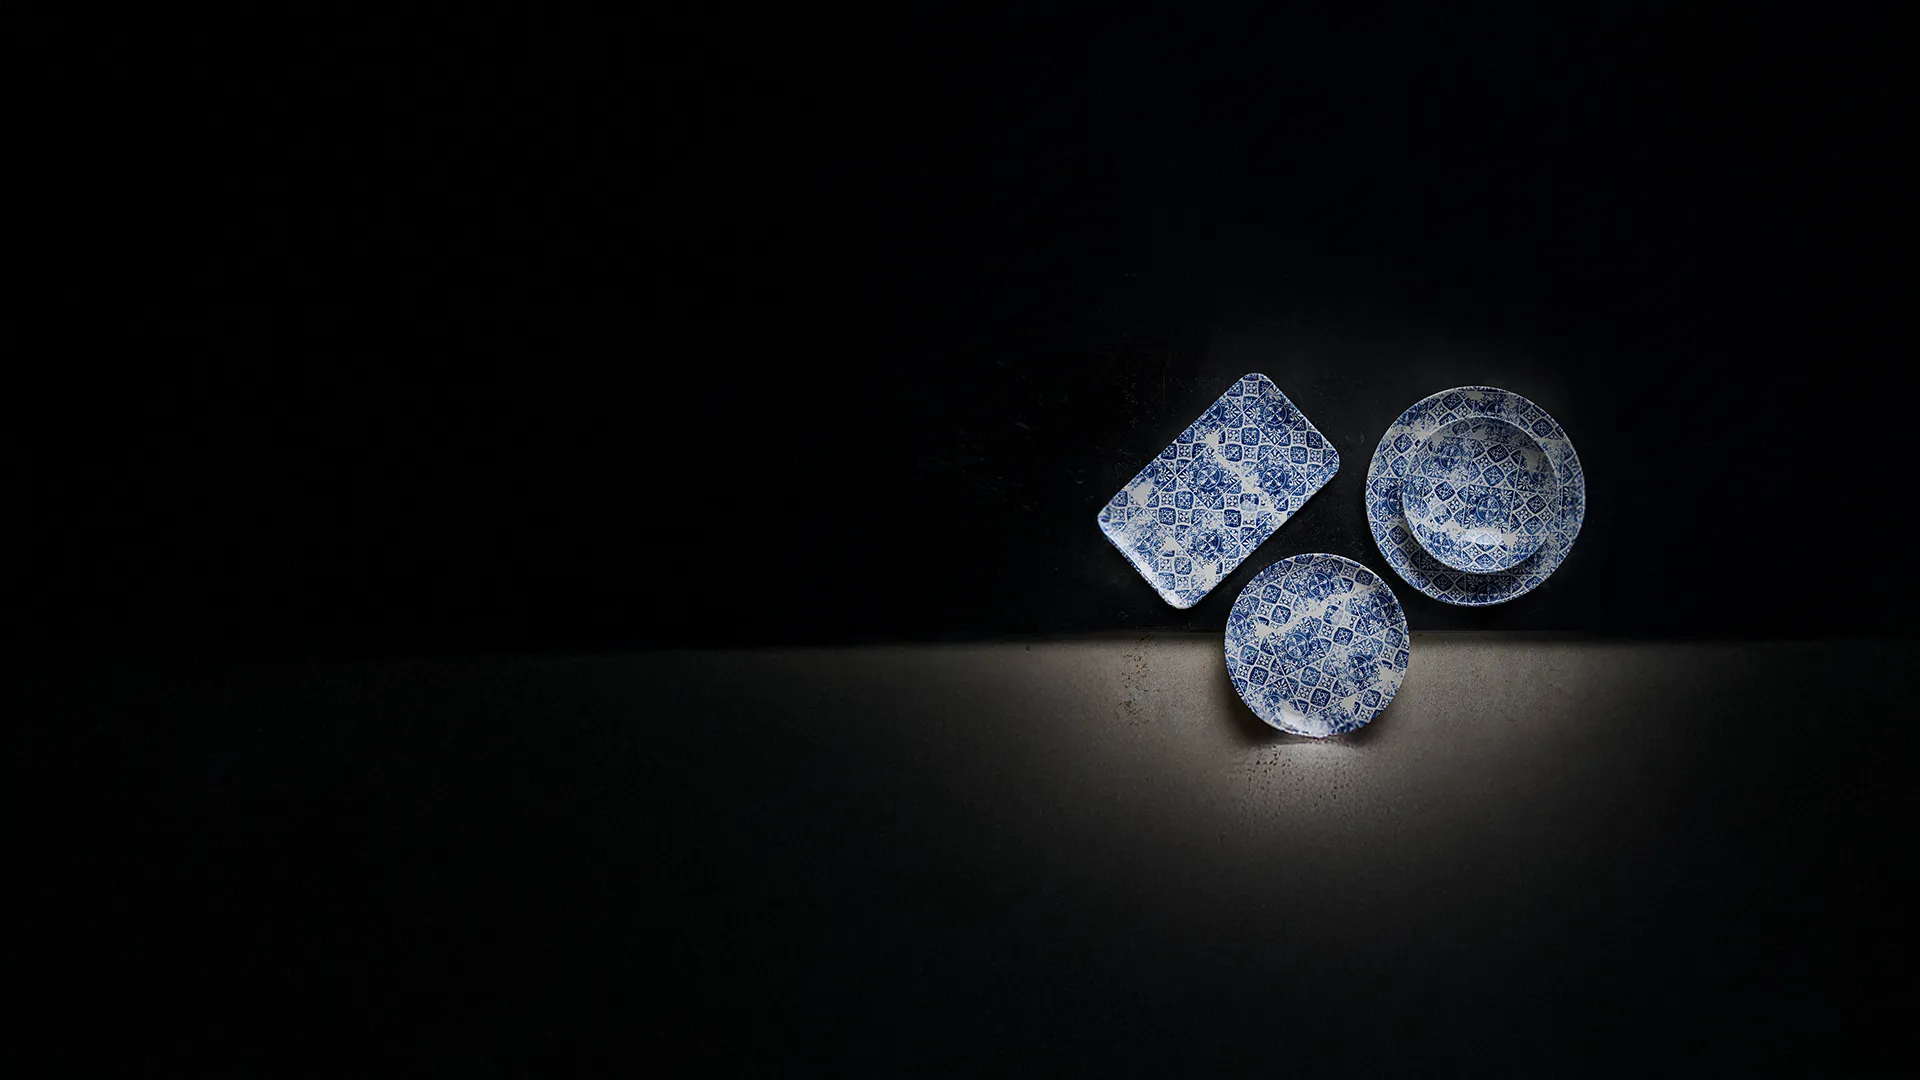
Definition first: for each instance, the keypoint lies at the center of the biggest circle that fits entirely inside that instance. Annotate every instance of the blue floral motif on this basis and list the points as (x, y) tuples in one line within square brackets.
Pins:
[(1149, 542), (1557, 527), (1355, 671), (1313, 583), (1368, 613), (1301, 643), (1219, 490), (1209, 479), (1316, 645)]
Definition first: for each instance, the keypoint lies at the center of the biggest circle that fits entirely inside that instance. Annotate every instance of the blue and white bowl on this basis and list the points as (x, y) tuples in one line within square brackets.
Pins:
[(1480, 494)]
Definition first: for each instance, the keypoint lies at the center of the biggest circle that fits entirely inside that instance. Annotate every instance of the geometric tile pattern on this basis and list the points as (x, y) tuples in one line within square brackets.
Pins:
[(1232, 478), (1479, 494), (1317, 645), (1392, 464)]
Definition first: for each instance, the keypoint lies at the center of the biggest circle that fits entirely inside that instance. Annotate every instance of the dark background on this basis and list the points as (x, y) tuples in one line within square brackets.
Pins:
[(496, 332), (501, 331)]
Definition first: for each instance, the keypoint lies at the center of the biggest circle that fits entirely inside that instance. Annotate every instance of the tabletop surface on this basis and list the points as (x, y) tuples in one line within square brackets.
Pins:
[(1546, 853)]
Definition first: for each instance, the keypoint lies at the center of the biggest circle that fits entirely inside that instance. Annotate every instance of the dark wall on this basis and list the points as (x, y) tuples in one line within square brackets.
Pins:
[(493, 331)]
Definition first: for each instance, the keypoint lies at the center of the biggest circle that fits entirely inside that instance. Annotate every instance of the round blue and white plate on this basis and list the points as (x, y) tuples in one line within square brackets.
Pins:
[(1393, 462), (1317, 645)]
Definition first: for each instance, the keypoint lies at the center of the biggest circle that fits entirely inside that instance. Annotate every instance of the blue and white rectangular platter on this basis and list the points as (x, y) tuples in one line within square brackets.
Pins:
[(1226, 484)]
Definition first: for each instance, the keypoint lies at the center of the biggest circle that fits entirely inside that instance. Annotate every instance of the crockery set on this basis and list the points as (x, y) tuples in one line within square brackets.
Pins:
[(1474, 496)]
